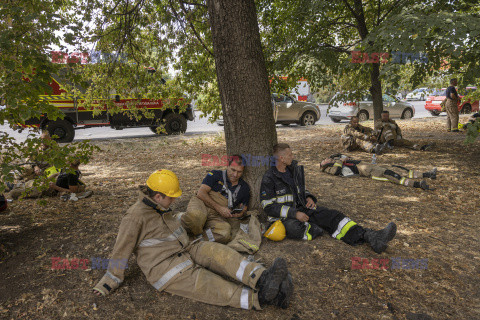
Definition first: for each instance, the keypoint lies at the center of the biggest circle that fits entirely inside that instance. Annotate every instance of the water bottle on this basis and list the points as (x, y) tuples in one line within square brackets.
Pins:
[(374, 159)]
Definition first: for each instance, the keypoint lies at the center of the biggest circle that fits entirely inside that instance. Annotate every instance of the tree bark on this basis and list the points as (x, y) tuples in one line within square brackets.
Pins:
[(243, 86), (376, 91), (376, 88)]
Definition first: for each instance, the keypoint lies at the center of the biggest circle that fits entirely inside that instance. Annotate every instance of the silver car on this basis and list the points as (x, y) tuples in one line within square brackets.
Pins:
[(420, 94), (343, 109), (288, 110)]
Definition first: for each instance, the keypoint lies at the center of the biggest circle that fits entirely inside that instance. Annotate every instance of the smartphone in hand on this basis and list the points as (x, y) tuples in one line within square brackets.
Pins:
[(237, 210)]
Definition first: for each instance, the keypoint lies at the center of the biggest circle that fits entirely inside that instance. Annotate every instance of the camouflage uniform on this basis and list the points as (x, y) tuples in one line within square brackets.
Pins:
[(357, 138), (391, 131)]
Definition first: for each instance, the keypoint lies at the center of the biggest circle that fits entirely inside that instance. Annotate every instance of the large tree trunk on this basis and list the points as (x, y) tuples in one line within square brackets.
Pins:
[(376, 88), (243, 85), (376, 91)]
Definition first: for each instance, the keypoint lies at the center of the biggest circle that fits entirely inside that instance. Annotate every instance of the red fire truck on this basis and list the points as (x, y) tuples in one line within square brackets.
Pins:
[(77, 117)]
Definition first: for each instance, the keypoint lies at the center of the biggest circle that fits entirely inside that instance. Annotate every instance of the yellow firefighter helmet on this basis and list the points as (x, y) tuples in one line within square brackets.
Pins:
[(276, 232), (166, 182), (50, 171)]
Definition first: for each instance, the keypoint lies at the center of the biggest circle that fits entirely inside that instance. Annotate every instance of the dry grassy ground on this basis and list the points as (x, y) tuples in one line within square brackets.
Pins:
[(441, 226)]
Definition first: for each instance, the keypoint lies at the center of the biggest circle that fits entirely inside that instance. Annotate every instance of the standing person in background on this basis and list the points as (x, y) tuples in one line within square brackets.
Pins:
[(451, 106)]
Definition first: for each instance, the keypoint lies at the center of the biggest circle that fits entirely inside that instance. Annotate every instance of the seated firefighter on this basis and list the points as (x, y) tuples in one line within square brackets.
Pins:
[(341, 165), (389, 133), (221, 199), (283, 196), (192, 270), (355, 137), (70, 184), (66, 182)]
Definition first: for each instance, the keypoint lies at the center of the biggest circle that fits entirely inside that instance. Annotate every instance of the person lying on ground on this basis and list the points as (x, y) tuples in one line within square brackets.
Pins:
[(341, 165)]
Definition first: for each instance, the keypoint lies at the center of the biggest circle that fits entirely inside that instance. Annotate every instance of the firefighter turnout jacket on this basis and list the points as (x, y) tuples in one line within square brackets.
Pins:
[(387, 130), (278, 198), (360, 132), (172, 263)]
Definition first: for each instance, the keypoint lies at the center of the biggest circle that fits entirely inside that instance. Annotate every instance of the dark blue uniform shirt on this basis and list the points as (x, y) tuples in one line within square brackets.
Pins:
[(449, 90), (214, 180)]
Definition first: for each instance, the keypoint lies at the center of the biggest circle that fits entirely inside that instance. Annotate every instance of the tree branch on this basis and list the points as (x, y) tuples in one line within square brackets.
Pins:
[(350, 8), (194, 30), (193, 3), (129, 11), (396, 4), (378, 11)]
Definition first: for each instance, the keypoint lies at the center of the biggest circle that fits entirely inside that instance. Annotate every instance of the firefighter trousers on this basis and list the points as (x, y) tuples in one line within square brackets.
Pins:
[(395, 174), (332, 221), (389, 134), (204, 282), (29, 189), (452, 114), (406, 144), (200, 219)]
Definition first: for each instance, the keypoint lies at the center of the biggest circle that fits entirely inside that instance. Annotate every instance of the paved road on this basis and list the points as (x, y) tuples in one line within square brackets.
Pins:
[(199, 126)]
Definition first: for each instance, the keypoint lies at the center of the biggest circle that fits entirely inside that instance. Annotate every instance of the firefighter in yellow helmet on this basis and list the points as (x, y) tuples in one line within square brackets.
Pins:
[(195, 270)]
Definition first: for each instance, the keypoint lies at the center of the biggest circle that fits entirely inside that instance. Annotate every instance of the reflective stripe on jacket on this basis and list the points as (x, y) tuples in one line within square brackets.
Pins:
[(278, 198), (158, 240)]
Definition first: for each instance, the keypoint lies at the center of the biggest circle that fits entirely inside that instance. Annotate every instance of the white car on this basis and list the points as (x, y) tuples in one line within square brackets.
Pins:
[(419, 94)]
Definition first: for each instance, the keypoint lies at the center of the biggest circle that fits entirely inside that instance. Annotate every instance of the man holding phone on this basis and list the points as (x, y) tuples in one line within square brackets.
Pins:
[(223, 195)]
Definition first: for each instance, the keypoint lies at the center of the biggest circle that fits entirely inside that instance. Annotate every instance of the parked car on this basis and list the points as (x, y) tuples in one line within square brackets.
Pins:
[(288, 110), (419, 94), (433, 102), (342, 108)]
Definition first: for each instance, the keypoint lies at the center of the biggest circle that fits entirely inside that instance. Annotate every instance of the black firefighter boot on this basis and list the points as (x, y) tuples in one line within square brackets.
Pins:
[(378, 240), (432, 174), (422, 184), (389, 144), (427, 147), (270, 281), (379, 148), (282, 300)]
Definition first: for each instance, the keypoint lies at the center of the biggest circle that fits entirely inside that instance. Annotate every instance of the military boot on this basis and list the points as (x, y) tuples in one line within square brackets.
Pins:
[(312, 231), (378, 240), (421, 184), (270, 281), (427, 146), (379, 147), (432, 174), (282, 300), (389, 144)]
